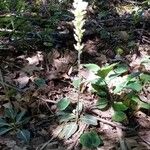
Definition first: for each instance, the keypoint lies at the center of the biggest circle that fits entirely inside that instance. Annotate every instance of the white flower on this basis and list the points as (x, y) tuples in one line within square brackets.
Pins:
[(80, 5), (79, 13)]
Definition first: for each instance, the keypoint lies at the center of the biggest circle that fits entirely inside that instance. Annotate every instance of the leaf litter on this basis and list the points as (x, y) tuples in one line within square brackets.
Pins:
[(55, 84)]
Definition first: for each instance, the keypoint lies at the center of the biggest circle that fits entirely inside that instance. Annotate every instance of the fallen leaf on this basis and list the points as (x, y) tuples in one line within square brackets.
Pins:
[(35, 60), (22, 80)]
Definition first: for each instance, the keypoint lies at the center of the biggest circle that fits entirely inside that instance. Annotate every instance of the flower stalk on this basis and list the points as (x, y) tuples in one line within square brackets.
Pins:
[(78, 22)]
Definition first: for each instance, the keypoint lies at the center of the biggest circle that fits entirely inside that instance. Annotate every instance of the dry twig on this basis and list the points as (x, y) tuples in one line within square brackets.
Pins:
[(123, 144), (113, 124)]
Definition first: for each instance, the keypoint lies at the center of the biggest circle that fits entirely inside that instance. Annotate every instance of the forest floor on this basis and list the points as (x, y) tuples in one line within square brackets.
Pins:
[(36, 80)]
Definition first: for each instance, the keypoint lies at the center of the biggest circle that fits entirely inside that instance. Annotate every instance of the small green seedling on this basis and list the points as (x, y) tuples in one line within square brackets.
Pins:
[(14, 121)]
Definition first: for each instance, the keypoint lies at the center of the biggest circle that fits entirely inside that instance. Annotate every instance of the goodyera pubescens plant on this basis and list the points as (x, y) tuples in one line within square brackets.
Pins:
[(78, 22)]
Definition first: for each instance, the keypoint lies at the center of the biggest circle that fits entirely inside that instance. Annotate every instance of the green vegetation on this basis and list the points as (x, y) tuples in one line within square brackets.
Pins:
[(13, 120), (66, 63)]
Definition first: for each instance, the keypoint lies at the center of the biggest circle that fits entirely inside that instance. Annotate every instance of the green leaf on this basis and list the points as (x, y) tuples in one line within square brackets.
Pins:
[(123, 83), (92, 67), (24, 135), (119, 87), (76, 83), (119, 116), (79, 107), (134, 98), (99, 82), (121, 68), (136, 86), (24, 121), (90, 140), (102, 103), (39, 82), (119, 106), (111, 76), (103, 72), (133, 75), (63, 104), (140, 103), (144, 105), (69, 130), (10, 113), (130, 104), (4, 130), (89, 119), (3, 123), (102, 94), (65, 117), (145, 77), (99, 85), (20, 116)]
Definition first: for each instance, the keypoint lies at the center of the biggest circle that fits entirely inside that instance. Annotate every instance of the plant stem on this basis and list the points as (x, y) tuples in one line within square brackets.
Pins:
[(79, 93), (79, 13)]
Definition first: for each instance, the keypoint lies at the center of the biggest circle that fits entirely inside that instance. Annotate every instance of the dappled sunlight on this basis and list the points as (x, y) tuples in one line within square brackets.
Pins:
[(74, 77)]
